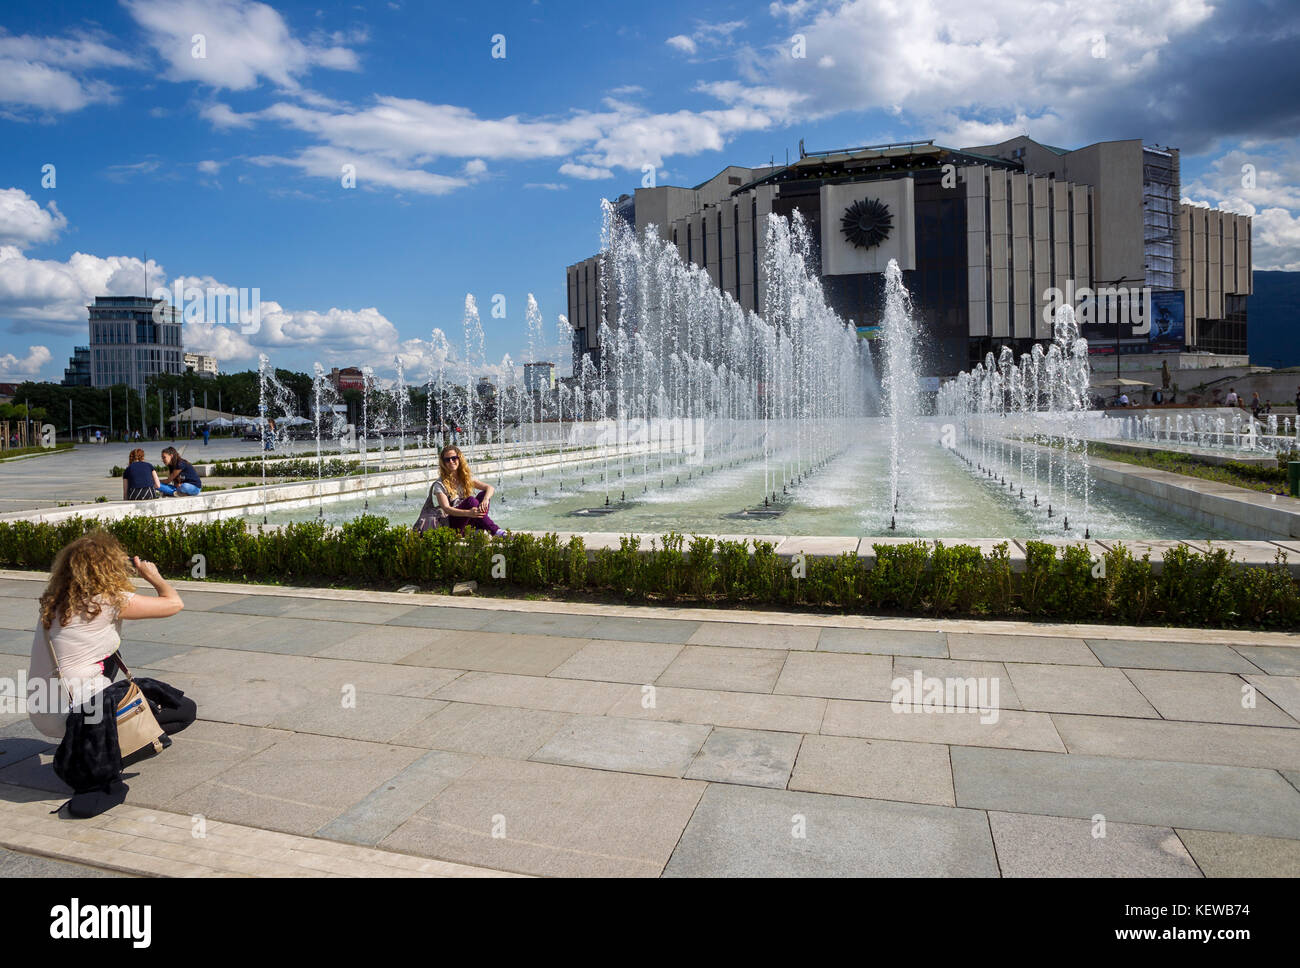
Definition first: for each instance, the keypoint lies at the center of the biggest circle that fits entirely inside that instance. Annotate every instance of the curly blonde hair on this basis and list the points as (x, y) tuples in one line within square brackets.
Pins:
[(460, 481), (88, 573)]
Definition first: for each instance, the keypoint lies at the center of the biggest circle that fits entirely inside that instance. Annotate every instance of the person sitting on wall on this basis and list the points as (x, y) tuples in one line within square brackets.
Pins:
[(1123, 400), (452, 501), (1232, 400), (139, 480), (183, 479)]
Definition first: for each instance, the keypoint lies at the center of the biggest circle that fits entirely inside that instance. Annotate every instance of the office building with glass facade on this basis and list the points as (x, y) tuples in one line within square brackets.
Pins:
[(128, 345)]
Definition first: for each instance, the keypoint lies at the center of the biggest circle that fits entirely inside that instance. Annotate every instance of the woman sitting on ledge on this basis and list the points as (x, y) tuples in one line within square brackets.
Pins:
[(452, 501), (139, 480)]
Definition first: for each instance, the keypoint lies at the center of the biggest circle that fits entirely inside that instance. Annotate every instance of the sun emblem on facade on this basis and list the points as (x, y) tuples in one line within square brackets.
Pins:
[(867, 223)]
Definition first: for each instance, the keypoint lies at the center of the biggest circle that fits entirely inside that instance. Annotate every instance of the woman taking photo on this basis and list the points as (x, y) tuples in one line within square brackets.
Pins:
[(452, 500), (89, 594)]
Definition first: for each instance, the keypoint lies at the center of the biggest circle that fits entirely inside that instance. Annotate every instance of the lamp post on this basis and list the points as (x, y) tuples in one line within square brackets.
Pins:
[(1100, 284)]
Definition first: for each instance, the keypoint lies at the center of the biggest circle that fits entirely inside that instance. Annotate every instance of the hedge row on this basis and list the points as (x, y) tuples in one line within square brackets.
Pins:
[(1192, 588)]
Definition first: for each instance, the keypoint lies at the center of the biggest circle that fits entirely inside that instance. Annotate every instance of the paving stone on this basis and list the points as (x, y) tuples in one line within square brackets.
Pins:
[(545, 623), (292, 636), (879, 768), (906, 667), (1284, 691), (17, 613), (742, 831), (1206, 697), (752, 757), (393, 802), (737, 670), (19, 739), (375, 717), (557, 821), (200, 752), (531, 692), (883, 642), (14, 864), (16, 641), (365, 613), (1046, 649), (137, 653), (618, 661), (1268, 747), (197, 600), (1077, 689), (267, 605), (1030, 846), (740, 710), (298, 784), (525, 655), (623, 629), (1273, 659), (836, 675), (1230, 798), (1184, 656), (624, 745), (750, 635), (35, 769), (500, 731), (387, 644), (445, 617), (1242, 855)]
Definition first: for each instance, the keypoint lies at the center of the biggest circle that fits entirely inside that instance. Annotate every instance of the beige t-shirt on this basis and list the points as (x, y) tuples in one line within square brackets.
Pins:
[(80, 646)]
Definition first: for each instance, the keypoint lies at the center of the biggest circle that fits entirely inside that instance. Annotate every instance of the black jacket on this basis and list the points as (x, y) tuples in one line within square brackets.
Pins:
[(89, 757)]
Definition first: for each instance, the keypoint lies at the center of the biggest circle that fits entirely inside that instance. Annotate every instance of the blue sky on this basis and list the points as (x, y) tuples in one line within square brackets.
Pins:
[(483, 175)]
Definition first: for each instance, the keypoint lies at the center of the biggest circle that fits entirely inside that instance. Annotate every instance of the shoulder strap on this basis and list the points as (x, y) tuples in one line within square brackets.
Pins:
[(53, 655)]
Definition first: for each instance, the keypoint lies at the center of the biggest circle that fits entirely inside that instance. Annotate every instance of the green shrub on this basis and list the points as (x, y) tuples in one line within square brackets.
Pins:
[(1207, 589)]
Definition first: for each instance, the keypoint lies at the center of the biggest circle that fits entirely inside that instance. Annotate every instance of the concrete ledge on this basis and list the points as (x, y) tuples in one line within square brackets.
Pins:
[(1202, 456)]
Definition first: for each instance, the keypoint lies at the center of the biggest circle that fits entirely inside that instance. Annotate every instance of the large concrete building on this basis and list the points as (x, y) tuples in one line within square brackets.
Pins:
[(128, 345), (984, 235)]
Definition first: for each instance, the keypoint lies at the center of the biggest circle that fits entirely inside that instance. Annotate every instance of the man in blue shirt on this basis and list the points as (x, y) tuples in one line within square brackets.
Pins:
[(183, 479)]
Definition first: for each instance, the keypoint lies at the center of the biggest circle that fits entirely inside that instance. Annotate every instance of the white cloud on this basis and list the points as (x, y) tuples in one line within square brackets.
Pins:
[(1263, 182), (547, 186), (47, 73), (210, 167), (24, 223), (372, 169), (681, 42), (243, 43), (586, 172), (475, 167), (13, 367)]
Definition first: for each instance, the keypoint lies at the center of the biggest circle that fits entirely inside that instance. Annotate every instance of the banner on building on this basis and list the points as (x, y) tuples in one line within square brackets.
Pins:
[(1167, 322)]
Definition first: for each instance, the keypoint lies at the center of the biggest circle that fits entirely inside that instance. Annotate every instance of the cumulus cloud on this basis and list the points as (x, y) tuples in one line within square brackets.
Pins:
[(24, 223), (1263, 182), (681, 42), (49, 74), (242, 43), (14, 368), (587, 172), (210, 167)]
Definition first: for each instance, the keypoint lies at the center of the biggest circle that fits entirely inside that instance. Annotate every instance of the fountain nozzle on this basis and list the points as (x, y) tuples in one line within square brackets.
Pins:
[(891, 522)]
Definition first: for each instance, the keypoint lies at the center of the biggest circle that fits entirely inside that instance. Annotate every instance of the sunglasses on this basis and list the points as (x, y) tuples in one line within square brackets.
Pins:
[(448, 460)]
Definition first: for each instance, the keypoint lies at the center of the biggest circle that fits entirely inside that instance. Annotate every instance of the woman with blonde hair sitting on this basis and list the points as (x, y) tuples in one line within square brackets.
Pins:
[(452, 500)]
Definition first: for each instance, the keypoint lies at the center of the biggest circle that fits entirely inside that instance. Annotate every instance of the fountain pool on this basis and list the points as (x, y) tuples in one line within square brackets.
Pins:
[(849, 496)]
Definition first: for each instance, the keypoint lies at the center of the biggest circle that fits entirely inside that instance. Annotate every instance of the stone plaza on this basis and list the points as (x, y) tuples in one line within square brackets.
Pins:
[(352, 733)]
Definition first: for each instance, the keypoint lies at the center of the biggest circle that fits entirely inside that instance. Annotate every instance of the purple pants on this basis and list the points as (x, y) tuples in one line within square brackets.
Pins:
[(484, 523)]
